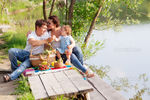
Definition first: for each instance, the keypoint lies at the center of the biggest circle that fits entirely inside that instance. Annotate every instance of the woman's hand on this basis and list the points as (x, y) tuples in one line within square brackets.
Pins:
[(70, 47), (69, 51)]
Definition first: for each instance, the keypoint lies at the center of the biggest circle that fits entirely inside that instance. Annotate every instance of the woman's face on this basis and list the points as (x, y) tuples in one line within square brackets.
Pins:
[(50, 24)]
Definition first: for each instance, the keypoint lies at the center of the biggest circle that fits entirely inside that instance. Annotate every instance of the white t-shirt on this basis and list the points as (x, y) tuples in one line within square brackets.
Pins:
[(37, 49)]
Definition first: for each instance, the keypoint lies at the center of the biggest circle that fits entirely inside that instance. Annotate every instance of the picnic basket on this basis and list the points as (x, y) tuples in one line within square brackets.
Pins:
[(38, 59)]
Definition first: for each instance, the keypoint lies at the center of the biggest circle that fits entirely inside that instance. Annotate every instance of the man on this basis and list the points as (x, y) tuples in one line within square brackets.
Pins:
[(35, 41)]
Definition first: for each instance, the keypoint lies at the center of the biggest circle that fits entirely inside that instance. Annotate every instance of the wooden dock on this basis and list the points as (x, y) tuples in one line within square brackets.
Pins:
[(53, 84), (69, 83), (103, 91)]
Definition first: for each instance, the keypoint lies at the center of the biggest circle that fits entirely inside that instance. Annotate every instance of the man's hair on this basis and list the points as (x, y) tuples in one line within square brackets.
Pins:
[(55, 20), (40, 22), (67, 28)]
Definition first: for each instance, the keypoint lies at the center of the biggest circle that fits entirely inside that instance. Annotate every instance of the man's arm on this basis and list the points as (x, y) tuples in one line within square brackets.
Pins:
[(34, 42)]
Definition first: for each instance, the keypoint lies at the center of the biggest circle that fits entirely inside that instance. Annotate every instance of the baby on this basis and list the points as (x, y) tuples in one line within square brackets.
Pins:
[(66, 43)]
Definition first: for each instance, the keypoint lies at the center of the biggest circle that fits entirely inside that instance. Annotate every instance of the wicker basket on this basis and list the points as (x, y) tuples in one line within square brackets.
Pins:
[(36, 60)]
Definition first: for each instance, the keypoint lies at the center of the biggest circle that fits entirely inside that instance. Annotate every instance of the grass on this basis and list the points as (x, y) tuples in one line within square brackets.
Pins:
[(23, 89), (2, 57)]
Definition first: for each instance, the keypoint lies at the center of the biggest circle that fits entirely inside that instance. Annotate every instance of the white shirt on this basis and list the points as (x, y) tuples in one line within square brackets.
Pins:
[(37, 49)]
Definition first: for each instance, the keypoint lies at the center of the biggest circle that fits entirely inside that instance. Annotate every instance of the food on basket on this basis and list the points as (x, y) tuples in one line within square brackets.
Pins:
[(59, 63)]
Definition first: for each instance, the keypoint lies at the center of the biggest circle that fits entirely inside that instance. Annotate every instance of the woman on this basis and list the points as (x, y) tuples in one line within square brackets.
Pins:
[(76, 56)]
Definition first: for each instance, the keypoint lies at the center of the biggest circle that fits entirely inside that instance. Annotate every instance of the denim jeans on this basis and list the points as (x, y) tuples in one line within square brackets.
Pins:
[(76, 58), (21, 55)]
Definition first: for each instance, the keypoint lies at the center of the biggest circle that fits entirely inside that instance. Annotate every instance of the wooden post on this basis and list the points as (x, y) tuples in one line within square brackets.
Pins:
[(87, 96)]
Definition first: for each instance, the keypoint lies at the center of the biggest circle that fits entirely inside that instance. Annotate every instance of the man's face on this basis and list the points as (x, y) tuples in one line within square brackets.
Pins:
[(50, 24), (41, 30)]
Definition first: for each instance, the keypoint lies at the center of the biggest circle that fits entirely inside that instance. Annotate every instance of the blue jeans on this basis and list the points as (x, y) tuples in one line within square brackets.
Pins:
[(76, 58), (21, 55)]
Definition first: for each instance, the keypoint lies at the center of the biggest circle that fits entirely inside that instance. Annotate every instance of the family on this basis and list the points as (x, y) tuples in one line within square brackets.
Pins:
[(45, 32)]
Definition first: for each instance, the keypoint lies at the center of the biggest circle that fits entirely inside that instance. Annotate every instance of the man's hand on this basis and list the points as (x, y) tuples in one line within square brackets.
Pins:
[(51, 38)]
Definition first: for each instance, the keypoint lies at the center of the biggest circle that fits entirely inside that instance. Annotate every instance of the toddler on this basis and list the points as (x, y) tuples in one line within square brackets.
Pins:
[(66, 43)]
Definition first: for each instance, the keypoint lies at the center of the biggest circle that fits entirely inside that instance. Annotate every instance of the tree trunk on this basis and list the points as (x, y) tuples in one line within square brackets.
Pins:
[(66, 12), (52, 6), (92, 24), (70, 16), (44, 9), (2, 7)]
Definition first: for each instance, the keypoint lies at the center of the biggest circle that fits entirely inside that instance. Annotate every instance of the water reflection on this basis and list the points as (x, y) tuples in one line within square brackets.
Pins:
[(127, 52)]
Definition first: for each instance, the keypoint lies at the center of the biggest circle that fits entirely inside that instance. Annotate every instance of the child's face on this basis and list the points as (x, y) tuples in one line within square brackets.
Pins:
[(63, 32)]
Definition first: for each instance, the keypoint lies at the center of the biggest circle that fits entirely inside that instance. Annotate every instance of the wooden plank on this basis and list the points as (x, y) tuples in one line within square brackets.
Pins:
[(81, 84), (51, 85), (65, 83), (37, 87), (106, 90), (95, 95)]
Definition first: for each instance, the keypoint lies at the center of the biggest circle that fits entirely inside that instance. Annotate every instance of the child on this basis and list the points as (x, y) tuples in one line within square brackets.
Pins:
[(66, 43)]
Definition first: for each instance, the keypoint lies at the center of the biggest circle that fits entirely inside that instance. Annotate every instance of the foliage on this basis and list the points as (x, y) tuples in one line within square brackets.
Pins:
[(23, 89), (2, 57), (14, 40), (91, 49), (102, 71)]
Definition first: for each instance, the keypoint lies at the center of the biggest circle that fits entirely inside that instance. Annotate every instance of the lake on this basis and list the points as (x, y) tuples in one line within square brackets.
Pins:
[(126, 52)]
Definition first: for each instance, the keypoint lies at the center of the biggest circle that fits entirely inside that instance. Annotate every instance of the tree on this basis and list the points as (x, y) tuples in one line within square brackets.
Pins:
[(70, 16), (3, 5), (44, 9), (52, 6), (66, 12), (92, 24)]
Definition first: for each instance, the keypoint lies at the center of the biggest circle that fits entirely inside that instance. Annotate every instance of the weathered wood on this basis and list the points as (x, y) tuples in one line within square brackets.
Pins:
[(95, 95), (106, 90), (51, 85), (78, 81), (37, 87), (65, 83)]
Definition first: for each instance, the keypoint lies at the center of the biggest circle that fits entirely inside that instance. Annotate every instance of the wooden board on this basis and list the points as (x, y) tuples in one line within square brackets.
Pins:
[(106, 90), (37, 87), (78, 81), (65, 83), (51, 85), (95, 95)]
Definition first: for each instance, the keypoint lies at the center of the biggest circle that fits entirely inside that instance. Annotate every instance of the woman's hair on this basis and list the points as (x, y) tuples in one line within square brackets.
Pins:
[(55, 20), (40, 22), (67, 28)]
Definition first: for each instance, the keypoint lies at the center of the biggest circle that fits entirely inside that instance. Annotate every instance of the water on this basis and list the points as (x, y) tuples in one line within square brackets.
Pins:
[(127, 53)]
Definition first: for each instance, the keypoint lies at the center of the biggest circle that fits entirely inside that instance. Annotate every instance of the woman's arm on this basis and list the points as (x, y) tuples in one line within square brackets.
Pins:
[(72, 43)]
